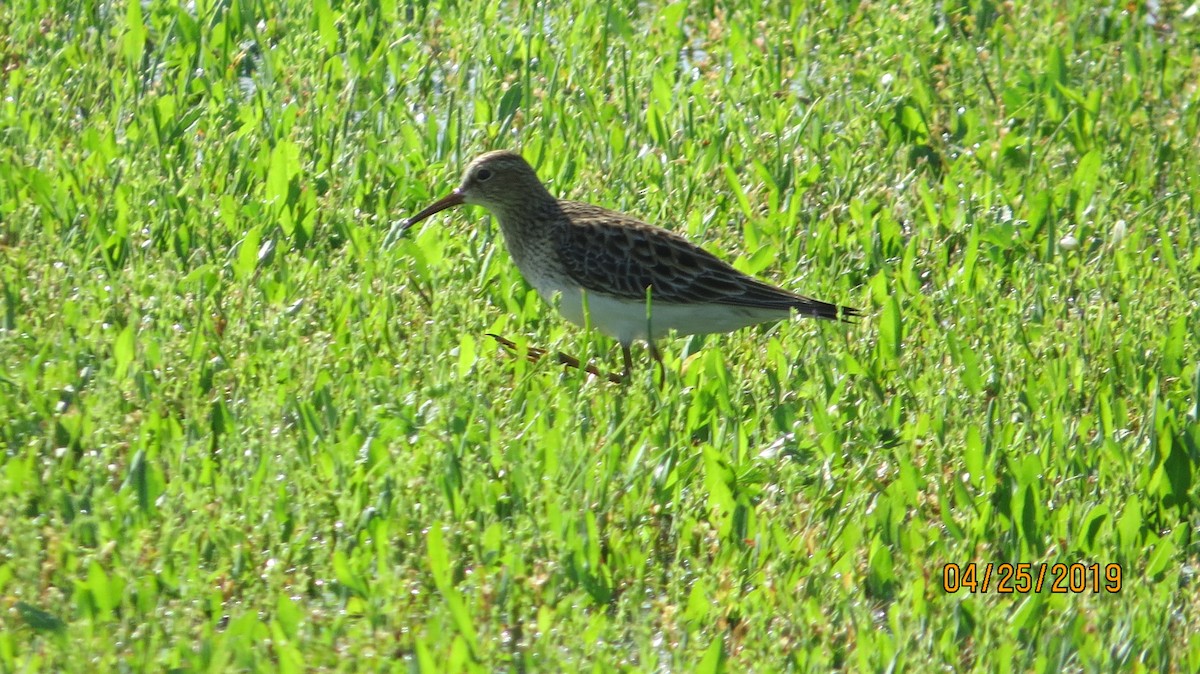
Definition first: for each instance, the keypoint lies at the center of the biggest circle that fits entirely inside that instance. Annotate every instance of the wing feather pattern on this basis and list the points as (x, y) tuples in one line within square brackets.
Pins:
[(627, 259)]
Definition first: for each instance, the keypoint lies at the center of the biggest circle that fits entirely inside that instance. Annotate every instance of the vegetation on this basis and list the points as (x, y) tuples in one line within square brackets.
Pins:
[(241, 434)]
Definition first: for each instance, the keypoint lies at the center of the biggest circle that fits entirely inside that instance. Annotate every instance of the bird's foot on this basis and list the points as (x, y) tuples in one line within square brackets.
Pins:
[(533, 354)]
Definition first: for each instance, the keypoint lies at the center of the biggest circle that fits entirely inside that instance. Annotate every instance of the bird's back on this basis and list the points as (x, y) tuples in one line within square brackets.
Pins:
[(612, 253)]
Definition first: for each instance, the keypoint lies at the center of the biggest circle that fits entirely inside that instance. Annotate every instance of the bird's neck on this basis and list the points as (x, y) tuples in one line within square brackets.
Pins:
[(530, 231), (529, 218)]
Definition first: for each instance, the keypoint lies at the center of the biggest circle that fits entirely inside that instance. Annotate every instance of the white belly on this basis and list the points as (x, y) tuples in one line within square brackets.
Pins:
[(628, 321)]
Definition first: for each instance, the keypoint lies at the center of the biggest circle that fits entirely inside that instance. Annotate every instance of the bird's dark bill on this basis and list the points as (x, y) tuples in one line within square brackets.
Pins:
[(455, 198)]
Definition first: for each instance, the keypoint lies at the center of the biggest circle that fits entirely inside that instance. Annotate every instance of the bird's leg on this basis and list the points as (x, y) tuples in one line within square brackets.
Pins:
[(662, 369), (628, 363), (533, 354)]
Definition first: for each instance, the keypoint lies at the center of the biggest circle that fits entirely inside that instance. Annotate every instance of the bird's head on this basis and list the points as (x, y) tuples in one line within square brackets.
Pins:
[(500, 181)]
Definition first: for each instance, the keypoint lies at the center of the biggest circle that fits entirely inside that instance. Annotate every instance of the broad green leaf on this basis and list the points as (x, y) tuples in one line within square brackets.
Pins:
[(1086, 177), (439, 559), (134, 40), (247, 258), (735, 186), (39, 619), (123, 351), (466, 355), (699, 603), (890, 331), (713, 661)]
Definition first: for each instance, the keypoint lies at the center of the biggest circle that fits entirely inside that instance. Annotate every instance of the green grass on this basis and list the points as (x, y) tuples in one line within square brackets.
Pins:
[(240, 435)]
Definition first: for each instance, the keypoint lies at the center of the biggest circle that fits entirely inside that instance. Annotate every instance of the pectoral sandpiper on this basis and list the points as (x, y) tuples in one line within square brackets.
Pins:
[(637, 281)]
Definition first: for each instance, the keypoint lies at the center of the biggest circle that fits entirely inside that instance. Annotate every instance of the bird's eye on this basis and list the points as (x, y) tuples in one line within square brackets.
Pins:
[(483, 174)]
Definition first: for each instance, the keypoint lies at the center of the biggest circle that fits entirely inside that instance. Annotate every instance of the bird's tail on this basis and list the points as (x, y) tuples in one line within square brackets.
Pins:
[(826, 310)]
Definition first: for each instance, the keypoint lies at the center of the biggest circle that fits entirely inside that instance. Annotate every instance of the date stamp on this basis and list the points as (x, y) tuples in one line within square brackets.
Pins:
[(1025, 577)]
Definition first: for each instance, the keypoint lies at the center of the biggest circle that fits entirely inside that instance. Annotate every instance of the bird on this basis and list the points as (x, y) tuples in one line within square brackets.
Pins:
[(635, 282)]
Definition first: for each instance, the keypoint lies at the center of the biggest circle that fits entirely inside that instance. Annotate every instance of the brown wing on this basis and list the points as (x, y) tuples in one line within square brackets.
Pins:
[(605, 251)]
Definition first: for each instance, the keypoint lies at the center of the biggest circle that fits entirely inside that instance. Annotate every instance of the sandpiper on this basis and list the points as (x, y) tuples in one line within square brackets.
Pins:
[(638, 282)]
